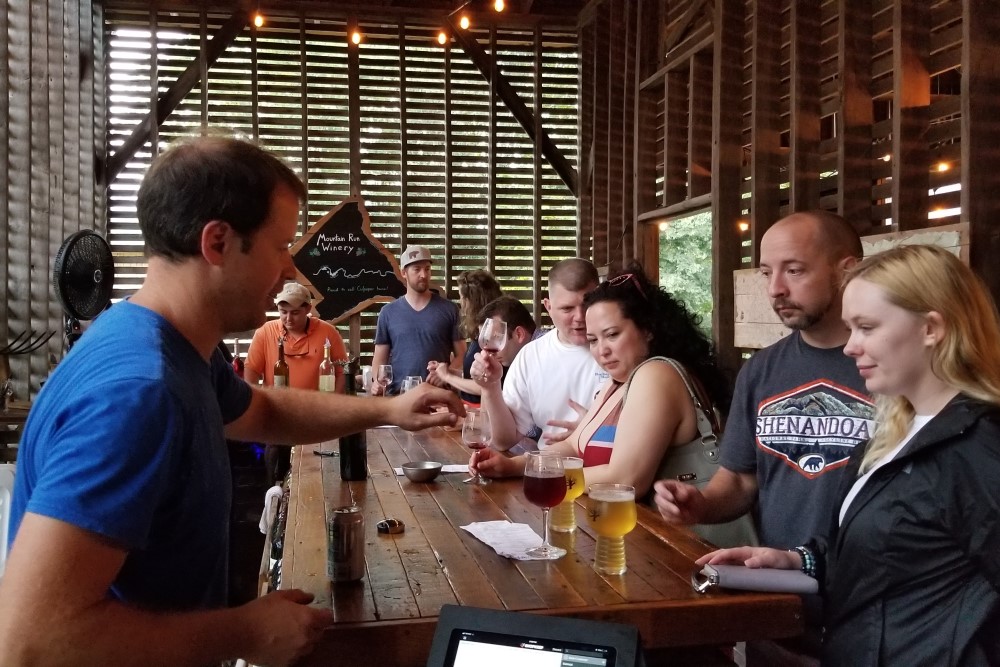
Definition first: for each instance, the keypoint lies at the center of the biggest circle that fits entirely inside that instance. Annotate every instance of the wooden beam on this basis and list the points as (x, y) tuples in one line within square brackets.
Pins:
[(646, 246), (727, 158), (602, 108), (803, 163), (854, 133), (354, 109), (536, 165), (494, 150), (765, 135), (449, 170), (911, 93), (586, 38), (627, 125), (506, 92), (699, 157), (981, 138), (404, 153), (173, 96), (683, 25), (675, 135)]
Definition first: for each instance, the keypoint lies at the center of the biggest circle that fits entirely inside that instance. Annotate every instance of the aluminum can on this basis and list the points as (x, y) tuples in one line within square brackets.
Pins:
[(345, 558)]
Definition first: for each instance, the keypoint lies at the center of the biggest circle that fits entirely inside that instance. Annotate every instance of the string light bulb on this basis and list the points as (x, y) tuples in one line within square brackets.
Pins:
[(464, 22), (498, 5), (442, 38), (258, 20), (943, 166), (743, 226), (356, 37)]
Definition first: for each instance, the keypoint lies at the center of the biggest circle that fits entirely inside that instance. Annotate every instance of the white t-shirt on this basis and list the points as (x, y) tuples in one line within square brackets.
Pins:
[(545, 375), (919, 421)]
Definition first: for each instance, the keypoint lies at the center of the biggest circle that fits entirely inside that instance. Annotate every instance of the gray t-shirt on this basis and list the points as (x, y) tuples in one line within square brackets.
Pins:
[(416, 337), (797, 414)]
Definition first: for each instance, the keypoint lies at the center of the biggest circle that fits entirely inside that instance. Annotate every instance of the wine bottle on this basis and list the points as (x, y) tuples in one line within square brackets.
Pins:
[(327, 370), (353, 447), (280, 367)]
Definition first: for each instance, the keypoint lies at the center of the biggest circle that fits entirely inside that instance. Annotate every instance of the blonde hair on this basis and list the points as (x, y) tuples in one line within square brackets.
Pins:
[(924, 279)]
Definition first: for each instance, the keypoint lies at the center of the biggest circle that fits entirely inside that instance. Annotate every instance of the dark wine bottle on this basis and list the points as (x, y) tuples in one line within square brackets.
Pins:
[(353, 447)]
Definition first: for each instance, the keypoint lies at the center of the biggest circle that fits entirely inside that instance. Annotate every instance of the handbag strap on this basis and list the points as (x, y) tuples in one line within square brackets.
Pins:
[(706, 425)]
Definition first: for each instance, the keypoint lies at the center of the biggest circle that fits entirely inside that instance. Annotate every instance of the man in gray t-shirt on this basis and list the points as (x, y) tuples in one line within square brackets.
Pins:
[(799, 406), (416, 328)]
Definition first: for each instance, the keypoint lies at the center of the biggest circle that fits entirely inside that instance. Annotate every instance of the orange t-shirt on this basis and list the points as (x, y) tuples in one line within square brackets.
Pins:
[(303, 354)]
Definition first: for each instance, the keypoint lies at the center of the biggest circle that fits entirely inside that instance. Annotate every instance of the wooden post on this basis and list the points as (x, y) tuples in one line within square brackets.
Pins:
[(536, 169), (803, 163), (643, 150), (354, 109), (727, 154), (404, 154), (699, 162), (854, 134), (764, 159), (981, 137), (911, 92)]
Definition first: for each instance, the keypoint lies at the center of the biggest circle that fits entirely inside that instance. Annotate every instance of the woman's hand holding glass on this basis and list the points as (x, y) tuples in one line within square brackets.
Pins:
[(491, 463)]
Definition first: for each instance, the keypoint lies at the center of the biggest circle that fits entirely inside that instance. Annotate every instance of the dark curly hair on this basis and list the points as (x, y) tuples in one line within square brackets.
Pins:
[(674, 329)]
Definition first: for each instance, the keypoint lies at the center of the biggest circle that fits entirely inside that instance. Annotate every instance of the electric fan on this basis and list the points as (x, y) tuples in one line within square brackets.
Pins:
[(82, 275)]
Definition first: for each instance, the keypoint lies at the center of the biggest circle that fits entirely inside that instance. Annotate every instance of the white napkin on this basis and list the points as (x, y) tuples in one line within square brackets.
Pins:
[(510, 540), (449, 467), (271, 499)]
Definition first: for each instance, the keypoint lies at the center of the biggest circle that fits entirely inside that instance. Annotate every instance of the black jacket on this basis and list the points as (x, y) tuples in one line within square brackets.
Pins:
[(912, 577)]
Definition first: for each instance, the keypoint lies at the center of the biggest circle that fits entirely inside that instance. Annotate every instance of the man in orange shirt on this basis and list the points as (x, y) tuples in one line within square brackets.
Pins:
[(304, 340)]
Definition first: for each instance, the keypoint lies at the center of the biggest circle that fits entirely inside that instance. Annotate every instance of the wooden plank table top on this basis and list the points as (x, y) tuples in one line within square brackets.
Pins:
[(389, 616)]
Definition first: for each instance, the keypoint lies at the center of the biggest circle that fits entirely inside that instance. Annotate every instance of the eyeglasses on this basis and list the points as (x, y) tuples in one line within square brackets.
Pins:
[(620, 280)]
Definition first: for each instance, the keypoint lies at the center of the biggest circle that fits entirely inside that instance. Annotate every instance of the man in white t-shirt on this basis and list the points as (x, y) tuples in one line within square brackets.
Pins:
[(553, 378)]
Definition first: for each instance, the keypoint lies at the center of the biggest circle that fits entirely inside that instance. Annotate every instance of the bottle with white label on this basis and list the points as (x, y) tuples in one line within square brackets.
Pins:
[(280, 366), (327, 371)]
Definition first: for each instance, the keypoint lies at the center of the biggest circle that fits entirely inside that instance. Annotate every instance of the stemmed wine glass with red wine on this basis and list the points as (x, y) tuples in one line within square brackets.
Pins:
[(492, 336), (476, 435), (545, 486)]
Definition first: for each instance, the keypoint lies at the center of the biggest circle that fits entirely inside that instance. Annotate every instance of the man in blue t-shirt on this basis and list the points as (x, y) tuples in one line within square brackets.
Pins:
[(119, 523), (417, 328)]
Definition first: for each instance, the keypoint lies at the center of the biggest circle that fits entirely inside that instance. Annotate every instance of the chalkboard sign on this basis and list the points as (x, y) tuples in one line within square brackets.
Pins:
[(344, 264)]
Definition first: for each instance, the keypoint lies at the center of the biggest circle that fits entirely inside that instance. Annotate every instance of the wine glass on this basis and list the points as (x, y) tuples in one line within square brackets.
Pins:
[(384, 377), (410, 382), (611, 512), (476, 435), (545, 486), (492, 337)]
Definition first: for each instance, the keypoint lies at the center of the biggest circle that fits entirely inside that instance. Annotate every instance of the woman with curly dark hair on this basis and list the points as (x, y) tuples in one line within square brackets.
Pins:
[(635, 330)]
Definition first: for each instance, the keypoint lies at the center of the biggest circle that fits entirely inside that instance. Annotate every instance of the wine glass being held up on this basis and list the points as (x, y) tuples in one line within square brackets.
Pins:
[(492, 335)]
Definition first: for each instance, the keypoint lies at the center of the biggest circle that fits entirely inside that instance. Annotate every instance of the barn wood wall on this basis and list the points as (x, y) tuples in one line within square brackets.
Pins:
[(51, 138), (881, 110)]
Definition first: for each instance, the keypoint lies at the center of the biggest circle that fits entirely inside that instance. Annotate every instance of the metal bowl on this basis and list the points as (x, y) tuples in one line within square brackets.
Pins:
[(421, 471)]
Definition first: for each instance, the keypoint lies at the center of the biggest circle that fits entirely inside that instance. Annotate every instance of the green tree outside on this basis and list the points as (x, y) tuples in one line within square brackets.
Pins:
[(686, 263)]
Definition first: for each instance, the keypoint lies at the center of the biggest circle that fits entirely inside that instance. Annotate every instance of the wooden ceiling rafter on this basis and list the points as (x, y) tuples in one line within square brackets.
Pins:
[(685, 24), (173, 96)]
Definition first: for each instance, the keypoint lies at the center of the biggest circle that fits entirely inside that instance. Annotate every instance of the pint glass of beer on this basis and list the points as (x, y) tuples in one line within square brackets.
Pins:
[(563, 518), (611, 512)]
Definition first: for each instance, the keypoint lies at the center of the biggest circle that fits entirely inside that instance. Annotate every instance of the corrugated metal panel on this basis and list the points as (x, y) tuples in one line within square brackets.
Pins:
[(47, 161)]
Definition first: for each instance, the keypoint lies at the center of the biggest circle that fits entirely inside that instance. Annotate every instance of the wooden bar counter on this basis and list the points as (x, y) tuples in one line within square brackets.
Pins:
[(388, 617)]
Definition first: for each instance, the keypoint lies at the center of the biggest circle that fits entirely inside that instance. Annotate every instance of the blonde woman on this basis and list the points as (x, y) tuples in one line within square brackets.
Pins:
[(911, 570)]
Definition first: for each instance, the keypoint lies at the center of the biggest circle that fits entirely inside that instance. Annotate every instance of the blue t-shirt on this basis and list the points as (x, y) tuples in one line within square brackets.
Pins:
[(416, 337), (126, 441)]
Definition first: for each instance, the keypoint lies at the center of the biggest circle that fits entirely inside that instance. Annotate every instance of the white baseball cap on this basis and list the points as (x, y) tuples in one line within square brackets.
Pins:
[(414, 253)]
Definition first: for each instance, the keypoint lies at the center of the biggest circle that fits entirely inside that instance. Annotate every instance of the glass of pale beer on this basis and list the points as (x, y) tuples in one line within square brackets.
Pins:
[(611, 512), (563, 518)]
